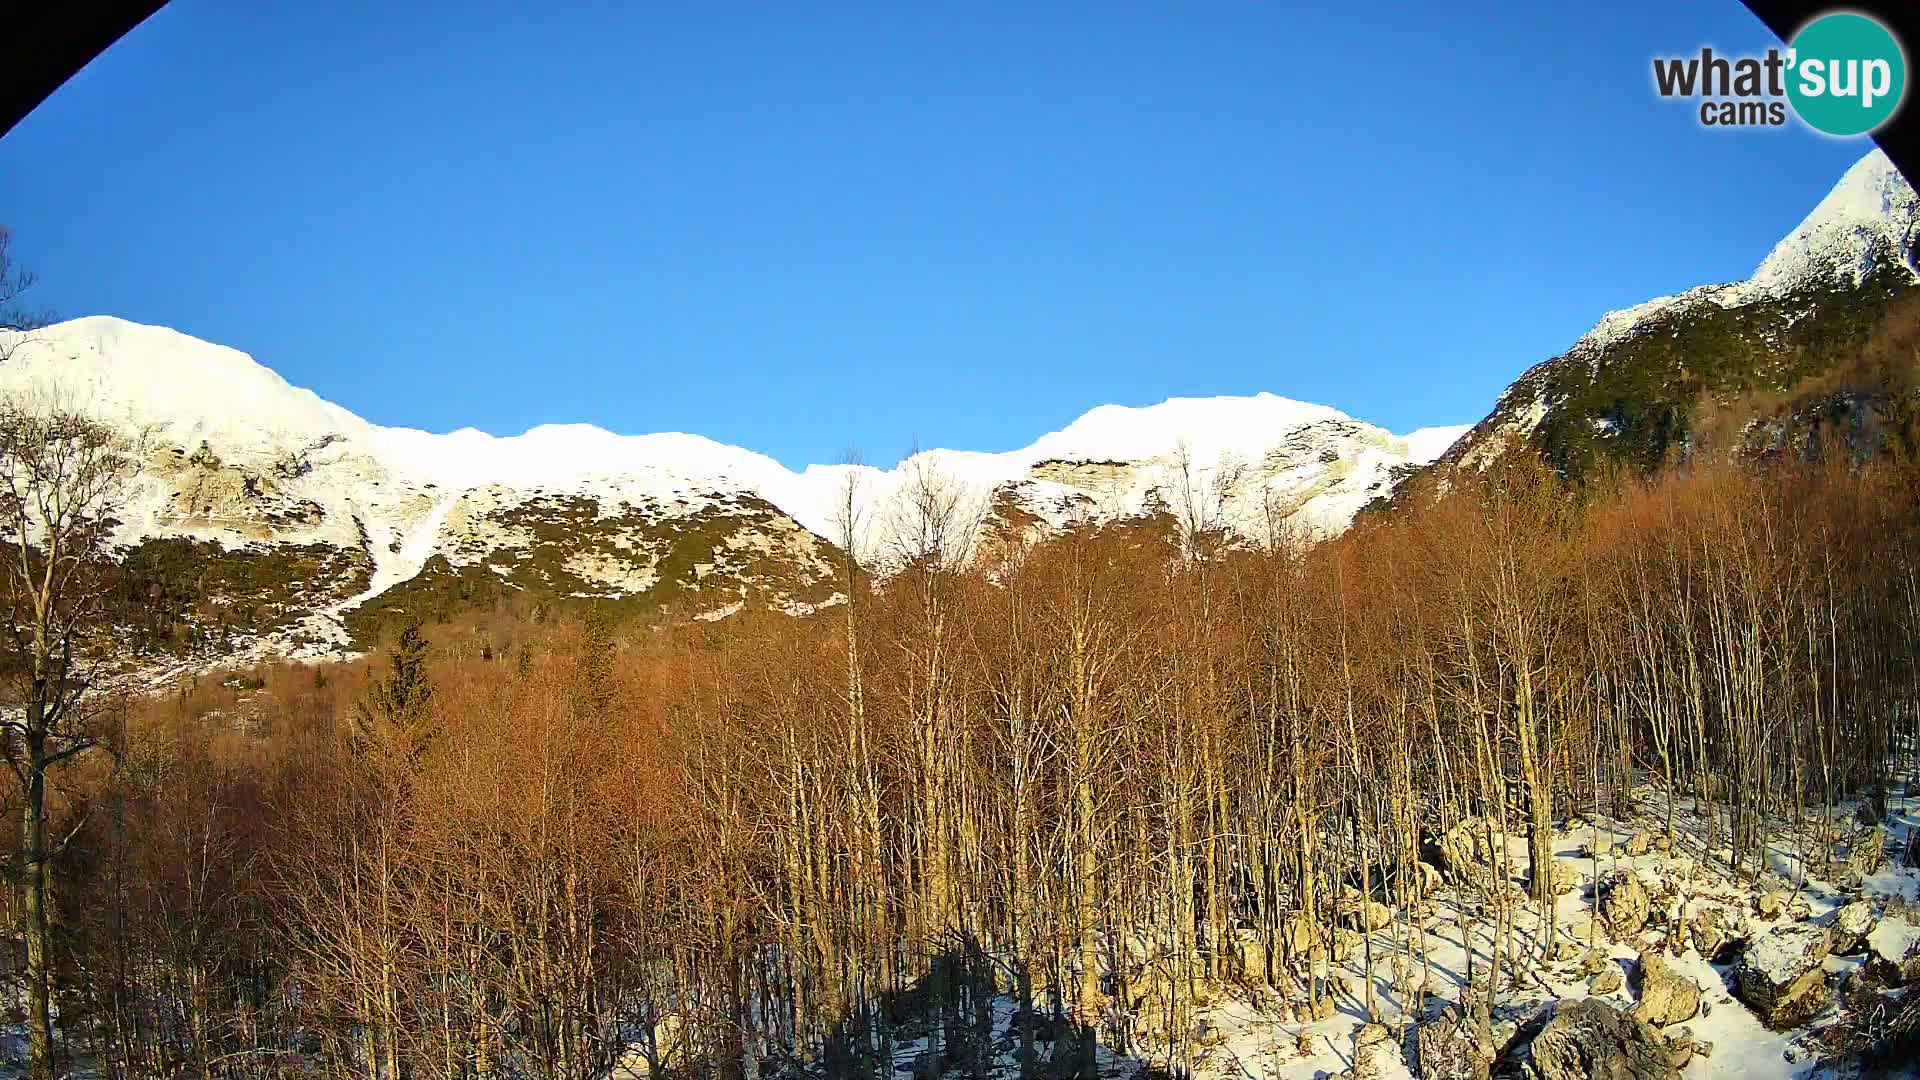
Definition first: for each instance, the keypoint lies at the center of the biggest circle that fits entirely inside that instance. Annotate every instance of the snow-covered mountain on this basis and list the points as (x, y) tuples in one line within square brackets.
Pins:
[(303, 514), (297, 522), (1628, 387)]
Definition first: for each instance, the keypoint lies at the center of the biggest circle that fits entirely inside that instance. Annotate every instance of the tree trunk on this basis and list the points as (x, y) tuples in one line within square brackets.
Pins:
[(33, 899)]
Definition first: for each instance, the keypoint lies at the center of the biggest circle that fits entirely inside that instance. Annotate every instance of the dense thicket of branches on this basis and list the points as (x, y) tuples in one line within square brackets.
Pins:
[(1099, 774)]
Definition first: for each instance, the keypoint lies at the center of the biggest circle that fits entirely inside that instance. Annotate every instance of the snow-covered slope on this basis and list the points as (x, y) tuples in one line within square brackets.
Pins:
[(1861, 236), (1870, 219), (236, 457)]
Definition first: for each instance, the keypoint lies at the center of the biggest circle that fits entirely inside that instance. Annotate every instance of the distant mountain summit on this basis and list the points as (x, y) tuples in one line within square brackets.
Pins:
[(1633, 389), (267, 518)]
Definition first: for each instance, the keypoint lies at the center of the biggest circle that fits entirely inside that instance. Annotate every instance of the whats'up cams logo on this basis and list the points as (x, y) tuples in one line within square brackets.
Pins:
[(1843, 74)]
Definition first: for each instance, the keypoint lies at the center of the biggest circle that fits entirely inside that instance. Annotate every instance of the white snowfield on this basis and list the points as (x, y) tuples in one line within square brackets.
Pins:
[(236, 455)]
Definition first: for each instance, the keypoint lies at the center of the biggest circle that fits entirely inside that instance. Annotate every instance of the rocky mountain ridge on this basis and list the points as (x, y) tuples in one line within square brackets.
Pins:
[(301, 525)]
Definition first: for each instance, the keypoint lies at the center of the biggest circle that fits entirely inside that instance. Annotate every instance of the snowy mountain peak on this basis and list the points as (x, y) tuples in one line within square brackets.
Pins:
[(187, 389), (1868, 220), (1208, 427), (1628, 386)]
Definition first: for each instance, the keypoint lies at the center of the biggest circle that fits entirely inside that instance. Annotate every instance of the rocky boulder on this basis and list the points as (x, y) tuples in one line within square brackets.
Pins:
[(1375, 1053), (1457, 1044), (1624, 905), (1562, 879), (1379, 916), (1666, 995), (1430, 881), (1779, 975), (1868, 851), (1296, 936), (1607, 982), (1781, 904), (1850, 927), (1362, 912), (1713, 931), (1893, 953), (1472, 852), (1683, 1047), (1586, 930), (1591, 1040)]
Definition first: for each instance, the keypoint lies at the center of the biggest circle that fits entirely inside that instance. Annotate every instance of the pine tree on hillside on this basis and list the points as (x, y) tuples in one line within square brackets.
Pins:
[(396, 709), (593, 696)]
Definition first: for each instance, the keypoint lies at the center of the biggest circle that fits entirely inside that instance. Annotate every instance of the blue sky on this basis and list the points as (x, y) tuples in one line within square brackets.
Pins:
[(805, 228)]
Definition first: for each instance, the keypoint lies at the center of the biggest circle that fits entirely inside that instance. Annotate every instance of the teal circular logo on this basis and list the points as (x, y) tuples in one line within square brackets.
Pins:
[(1848, 74)]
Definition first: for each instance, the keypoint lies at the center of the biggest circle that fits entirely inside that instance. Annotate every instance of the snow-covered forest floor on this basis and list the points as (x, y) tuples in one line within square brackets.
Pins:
[(1664, 931)]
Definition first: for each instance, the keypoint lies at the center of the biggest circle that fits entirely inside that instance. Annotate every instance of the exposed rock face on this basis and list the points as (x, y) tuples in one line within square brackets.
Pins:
[(1779, 976), (1097, 476), (1455, 1045), (1666, 996), (1591, 1040), (1624, 904)]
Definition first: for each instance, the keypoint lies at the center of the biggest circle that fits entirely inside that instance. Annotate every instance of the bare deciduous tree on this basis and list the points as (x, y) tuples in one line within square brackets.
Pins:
[(17, 321), (62, 477)]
